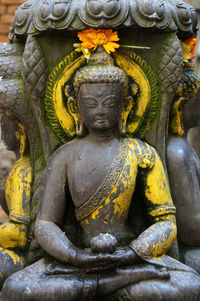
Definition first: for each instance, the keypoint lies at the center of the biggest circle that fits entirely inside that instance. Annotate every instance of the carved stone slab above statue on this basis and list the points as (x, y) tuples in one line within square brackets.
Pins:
[(40, 16)]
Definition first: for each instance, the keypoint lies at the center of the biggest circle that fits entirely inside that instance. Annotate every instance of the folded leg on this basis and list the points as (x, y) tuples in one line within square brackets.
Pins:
[(10, 262), (32, 284), (182, 286)]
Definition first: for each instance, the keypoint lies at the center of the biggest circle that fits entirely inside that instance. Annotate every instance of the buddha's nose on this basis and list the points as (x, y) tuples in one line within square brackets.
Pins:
[(100, 110)]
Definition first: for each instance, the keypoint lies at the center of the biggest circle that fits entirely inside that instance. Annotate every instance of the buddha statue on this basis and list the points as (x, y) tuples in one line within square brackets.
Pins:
[(101, 168), (185, 186), (14, 233)]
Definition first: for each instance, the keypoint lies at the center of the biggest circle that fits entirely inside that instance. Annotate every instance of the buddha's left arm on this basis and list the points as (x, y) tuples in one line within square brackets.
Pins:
[(18, 193), (158, 238)]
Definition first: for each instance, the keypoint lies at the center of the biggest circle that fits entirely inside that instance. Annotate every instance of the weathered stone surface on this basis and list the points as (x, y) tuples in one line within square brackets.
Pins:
[(41, 16), (191, 259)]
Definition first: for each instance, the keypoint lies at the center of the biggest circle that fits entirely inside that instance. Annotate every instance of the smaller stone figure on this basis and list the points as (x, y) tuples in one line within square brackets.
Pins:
[(101, 168), (13, 234), (184, 168)]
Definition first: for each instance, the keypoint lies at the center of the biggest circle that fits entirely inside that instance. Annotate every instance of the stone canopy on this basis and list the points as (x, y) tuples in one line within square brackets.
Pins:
[(41, 16)]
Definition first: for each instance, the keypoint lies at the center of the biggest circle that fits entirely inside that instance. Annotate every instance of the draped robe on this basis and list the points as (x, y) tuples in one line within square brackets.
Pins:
[(111, 204)]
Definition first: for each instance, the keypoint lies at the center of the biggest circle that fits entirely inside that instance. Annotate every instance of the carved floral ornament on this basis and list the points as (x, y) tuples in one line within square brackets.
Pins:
[(188, 48), (42, 15)]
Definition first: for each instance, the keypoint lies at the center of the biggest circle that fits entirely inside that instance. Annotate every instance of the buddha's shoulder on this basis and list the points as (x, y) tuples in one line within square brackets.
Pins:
[(21, 169), (67, 150), (144, 152), (178, 146), (179, 151), (140, 146)]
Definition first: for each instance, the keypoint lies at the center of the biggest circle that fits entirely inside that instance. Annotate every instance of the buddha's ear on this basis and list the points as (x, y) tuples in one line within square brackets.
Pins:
[(176, 123), (127, 107), (72, 106)]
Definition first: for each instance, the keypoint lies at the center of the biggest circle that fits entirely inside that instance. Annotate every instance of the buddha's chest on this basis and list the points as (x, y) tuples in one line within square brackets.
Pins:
[(107, 210), (87, 172)]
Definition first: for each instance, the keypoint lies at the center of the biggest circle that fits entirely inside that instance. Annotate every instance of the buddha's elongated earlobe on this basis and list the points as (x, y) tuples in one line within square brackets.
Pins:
[(73, 110), (176, 123), (79, 128), (124, 116)]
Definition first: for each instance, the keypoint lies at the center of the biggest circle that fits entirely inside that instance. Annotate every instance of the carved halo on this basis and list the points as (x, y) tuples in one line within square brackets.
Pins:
[(147, 103), (139, 73), (55, 108), (135, 72)]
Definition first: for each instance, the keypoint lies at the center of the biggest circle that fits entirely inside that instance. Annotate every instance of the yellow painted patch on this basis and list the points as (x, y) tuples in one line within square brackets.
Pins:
[(18, 195), (176, 119), (157, 239), (134, 71), (95, 214), (157, 188), (117, 203), (62, 113), (15, 258), (13, 235), (18, 189), (21, 135), (23, 138)]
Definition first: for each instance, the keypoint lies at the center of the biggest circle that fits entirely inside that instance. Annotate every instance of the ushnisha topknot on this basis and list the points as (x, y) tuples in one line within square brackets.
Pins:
[(100, 69)]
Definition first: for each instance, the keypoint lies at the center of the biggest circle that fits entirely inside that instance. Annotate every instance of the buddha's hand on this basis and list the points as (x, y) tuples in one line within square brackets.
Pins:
[(90, 261), (101, 262), (124, 256), (103, 243)]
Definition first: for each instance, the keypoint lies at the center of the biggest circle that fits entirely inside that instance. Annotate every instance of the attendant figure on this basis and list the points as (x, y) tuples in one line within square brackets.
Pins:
[(184, 175), (13, 234)]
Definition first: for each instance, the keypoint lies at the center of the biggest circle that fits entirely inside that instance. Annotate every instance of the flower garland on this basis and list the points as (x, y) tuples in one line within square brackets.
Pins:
[(92, 38), (188, 48)]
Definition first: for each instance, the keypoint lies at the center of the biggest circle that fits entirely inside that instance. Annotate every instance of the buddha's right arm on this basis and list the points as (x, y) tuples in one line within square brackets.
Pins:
[(56, 244), (54, 241), (52, 208), (51, 212)]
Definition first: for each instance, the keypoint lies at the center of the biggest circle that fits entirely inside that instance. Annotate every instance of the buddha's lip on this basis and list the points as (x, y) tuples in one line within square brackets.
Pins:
[(100, 119)]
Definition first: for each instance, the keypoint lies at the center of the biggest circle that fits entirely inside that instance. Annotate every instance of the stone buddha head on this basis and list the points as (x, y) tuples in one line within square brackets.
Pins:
[(13, 134), (101, 96), (191, 112), (185, 111)]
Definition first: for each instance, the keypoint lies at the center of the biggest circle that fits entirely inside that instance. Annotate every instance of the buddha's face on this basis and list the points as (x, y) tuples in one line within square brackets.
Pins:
[(100, 105), (191, 113), (9, 134)]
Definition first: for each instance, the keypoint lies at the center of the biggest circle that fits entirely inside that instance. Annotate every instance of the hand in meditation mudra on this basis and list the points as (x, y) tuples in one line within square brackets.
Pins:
[(100, 168)]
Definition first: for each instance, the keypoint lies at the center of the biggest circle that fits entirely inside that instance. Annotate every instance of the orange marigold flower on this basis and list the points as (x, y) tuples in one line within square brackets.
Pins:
[(92, 38), (79, 48), (188, 47)]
